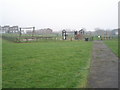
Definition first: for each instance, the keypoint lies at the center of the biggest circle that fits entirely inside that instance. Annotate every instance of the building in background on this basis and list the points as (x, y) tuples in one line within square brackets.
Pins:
[(29, 32), (8, 29), (14, 29), (5, 29), (114, 32), (99, 33), (44, 31)]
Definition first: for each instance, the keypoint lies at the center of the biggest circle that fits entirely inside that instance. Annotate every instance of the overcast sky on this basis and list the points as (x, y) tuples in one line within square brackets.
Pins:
[(60, 14)]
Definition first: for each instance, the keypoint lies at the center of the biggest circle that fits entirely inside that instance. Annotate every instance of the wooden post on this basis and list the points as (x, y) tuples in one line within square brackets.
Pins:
[(33, 31)]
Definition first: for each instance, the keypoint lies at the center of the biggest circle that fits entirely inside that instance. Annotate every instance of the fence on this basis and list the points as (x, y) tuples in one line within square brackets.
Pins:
[(29, 38)]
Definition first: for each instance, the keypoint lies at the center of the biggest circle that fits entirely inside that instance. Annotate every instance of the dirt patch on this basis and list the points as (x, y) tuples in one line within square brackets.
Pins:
[(104, 67)]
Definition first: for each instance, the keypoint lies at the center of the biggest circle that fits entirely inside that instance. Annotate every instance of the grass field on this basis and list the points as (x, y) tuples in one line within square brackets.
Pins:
[(113, 44), (50, 64)]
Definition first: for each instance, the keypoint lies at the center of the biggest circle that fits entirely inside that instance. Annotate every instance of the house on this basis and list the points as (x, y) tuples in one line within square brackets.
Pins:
[(5, 29), (115, 32), (14, 29), (8, 29), (44, 31)]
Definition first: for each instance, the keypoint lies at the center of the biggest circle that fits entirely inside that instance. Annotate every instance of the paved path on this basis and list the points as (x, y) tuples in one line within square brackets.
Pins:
[(104, 67)]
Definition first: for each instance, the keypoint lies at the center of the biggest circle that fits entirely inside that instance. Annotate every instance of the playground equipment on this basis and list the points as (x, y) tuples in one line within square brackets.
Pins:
[(31, 35), (64, 35), (77, 35), (23, 28)]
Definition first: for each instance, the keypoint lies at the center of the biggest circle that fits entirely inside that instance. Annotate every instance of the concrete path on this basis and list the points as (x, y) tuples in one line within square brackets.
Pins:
[(104, 67)]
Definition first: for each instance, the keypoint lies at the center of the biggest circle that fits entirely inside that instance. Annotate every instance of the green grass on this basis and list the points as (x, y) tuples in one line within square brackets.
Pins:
[(113, 44), (50, 64)]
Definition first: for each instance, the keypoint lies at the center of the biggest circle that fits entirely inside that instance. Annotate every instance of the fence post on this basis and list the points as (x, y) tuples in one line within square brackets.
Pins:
[(20, 35), (33, 31)]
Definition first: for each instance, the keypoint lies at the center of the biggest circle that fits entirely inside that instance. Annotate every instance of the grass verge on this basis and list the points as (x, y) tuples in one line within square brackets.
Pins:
[(113, 44)]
